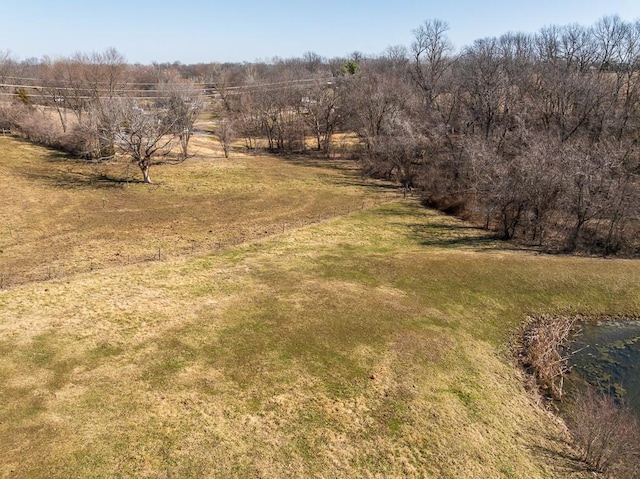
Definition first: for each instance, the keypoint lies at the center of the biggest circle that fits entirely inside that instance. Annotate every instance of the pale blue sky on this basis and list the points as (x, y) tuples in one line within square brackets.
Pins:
[(196, 31)]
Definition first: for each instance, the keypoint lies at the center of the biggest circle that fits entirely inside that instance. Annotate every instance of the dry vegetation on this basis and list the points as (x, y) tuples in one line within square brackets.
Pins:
[(60, 216), (607, 434), (256, 359), (533, 136), (604, 429), (541, 353)]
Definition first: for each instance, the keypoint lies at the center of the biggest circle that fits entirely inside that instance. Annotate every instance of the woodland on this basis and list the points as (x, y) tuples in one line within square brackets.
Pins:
[(534, 136)]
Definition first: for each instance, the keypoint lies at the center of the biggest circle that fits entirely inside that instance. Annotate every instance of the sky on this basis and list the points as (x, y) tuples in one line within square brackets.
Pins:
[(200, 31)]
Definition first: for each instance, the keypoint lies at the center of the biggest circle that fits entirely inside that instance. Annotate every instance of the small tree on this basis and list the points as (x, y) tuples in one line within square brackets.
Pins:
[(350, 67), (226, 135), (144, 135), (184, 103)]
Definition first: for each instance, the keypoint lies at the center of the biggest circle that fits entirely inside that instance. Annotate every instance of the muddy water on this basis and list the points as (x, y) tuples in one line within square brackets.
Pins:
[(607, 355)]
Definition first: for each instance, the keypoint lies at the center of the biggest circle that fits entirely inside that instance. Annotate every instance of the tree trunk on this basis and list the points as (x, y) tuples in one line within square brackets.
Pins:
[(184, 144), (144, 167), (572, 241)]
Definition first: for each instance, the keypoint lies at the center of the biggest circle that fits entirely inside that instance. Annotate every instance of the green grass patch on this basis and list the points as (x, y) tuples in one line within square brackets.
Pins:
[(374, 344)]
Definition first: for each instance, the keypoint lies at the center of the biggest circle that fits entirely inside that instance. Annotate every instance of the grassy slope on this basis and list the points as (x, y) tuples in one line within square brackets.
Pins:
[(59, 216), (255, 361)]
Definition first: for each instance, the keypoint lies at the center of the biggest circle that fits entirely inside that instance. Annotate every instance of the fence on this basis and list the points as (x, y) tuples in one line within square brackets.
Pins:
[(59, 270)]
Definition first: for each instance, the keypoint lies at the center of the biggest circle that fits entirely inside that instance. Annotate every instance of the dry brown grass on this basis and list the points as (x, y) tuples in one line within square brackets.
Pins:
[(255, 361), (60, 216)]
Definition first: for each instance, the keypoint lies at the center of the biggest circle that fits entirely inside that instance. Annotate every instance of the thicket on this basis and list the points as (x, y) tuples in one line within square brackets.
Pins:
[(534, 136), (607, 433)]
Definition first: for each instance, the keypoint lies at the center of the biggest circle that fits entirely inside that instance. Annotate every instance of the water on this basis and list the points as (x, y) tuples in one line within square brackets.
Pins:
[(607, 355)]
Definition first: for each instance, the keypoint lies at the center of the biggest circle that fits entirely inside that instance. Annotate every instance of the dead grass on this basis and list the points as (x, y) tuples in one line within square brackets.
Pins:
[(60, 216), (256, 361)]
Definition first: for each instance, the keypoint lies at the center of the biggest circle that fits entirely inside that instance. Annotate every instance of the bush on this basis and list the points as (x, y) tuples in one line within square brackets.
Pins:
[(607, 433)]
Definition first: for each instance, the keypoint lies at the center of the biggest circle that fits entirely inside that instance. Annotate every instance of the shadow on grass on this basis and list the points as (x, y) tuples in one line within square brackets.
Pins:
[(351, 172), (565, 460), (69, 179), (363, 183), (454, 235), (67, 172), (316, 159), (440, 230), (63, 170)]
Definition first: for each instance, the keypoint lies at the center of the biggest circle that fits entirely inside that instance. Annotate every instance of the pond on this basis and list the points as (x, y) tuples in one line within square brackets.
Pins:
[(606, 354)]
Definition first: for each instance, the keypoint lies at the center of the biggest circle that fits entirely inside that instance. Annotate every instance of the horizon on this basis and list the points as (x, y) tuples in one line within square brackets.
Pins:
[(146, 32)]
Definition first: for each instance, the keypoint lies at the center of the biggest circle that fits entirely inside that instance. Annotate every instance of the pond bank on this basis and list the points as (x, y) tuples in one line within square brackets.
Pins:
[(585, 367)]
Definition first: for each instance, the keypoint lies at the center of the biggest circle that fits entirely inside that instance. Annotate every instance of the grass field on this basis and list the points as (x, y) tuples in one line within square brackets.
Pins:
[(60, 216), (373, 343)]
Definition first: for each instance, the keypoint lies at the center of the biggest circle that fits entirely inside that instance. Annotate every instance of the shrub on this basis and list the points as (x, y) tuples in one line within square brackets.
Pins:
[(607, 433)]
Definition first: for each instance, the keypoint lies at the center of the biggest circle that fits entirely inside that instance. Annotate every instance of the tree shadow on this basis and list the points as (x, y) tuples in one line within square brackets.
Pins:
[(314, 159), (364, 183), (70, 178), (437, 229), (563, 458), (447, 235)]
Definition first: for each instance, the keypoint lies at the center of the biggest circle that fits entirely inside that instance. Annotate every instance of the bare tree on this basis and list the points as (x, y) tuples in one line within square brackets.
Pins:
[(485, 81), (430, 51), (599, 191), (376, 101), (7, 115), (55, 91), (7, 67), (226, 135), (146, 137), (184, 102), (103, 73), (609, 34), (322, 111), (313, 62), (497, 184), (6, 64), (102, 79)]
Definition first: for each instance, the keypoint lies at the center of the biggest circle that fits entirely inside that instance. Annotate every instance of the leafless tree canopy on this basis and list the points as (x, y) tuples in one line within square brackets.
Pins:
[(532, 136)]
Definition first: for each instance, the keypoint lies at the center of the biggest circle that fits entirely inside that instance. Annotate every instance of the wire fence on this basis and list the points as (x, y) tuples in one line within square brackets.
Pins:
[(60, 269)]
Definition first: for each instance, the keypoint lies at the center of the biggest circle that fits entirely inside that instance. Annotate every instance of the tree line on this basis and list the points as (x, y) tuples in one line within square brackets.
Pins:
[(534, 136), (97, 106)]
